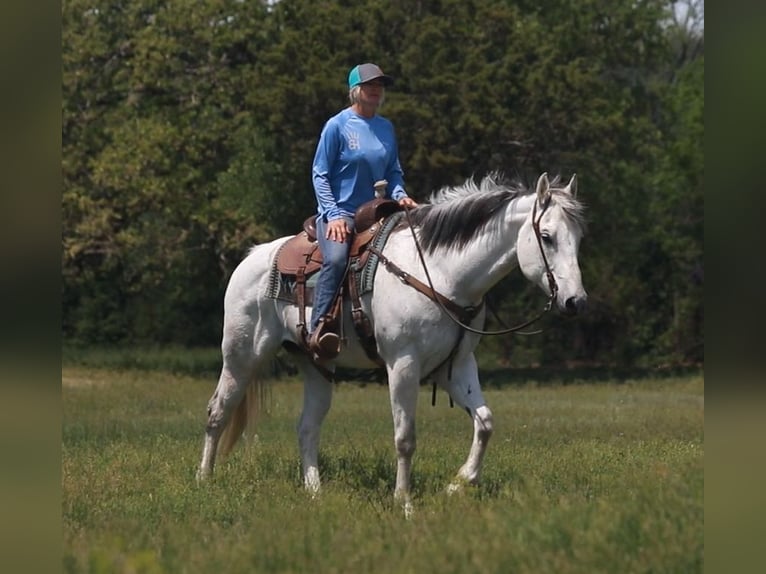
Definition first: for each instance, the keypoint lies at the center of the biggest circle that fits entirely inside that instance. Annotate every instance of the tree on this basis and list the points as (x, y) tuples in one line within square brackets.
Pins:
[(151, 91), (189, 129)]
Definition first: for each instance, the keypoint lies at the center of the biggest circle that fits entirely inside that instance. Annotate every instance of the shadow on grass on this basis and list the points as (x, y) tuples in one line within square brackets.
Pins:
[(496, 378), (516, 376), (206, 362)]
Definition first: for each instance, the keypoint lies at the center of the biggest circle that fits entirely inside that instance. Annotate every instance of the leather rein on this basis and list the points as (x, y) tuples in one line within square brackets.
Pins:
[(461, 316)]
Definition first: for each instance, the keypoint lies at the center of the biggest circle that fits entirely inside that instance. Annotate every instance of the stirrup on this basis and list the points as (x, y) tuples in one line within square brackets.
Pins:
[(327, 347), (324, 345)]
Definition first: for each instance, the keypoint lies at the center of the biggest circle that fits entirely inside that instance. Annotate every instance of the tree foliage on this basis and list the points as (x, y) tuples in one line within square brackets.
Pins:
[(189, 129)]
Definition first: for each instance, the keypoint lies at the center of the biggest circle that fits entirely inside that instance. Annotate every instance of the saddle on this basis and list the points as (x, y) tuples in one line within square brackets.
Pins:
[(300, 258)]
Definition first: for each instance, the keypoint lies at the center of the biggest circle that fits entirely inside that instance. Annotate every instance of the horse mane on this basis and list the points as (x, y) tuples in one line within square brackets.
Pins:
[(453, 216)]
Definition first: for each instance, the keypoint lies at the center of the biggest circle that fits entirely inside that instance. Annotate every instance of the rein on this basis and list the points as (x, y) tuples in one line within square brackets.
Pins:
[(449, 307)]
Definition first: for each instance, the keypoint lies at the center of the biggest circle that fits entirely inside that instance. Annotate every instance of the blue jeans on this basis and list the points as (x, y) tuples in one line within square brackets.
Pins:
[(334, 262)]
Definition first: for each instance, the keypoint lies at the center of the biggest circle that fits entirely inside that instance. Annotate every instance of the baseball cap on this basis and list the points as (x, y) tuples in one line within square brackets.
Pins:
[(365, 73)]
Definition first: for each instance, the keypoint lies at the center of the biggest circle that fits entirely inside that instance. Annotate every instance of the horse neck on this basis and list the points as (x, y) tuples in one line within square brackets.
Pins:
[(490, 256)]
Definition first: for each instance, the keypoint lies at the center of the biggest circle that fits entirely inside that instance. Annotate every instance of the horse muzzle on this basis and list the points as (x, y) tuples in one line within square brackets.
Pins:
[(575, 305)]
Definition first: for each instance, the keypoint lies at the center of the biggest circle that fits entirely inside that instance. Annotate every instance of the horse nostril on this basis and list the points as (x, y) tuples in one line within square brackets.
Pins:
[(575, 305)]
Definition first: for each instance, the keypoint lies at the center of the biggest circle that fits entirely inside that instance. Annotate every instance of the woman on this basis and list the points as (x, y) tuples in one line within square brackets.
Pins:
[(356, 149)]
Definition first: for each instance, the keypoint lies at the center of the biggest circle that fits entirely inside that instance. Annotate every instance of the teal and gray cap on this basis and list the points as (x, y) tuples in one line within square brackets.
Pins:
[(366, 73)]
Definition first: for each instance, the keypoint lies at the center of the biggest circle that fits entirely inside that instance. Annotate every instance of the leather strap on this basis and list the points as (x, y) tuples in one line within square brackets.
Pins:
[(300, 291), (465, 314), (362, 324)]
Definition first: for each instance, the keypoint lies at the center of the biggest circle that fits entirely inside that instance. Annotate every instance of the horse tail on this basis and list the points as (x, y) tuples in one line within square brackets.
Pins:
[(245, 416)]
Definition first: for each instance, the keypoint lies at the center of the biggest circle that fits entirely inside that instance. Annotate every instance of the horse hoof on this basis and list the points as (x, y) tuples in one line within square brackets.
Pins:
[(454, 488), (202, 476), (313, 490)]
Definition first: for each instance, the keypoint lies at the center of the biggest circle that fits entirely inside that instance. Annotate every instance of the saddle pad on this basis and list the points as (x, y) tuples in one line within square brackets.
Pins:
[(283, 286), (365, 276)]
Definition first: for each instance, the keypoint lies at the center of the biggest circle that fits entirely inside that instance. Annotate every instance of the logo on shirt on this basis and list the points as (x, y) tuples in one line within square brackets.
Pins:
[(353, 140)]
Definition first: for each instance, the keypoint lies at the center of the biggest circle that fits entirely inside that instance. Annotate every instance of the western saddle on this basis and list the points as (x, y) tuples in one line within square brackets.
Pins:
[(300, 257)]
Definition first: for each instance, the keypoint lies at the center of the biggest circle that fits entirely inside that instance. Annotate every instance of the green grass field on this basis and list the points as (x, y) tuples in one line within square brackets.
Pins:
[(589, 477)]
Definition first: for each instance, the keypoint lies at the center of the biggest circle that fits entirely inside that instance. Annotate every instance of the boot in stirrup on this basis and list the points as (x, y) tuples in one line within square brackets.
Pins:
[(323, 342)]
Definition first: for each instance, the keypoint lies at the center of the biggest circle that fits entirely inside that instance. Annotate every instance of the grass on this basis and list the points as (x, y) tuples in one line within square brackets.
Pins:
[(587, 477)]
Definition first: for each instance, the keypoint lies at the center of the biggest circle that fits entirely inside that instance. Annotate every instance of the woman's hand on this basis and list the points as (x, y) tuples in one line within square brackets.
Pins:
[(407, 202), (337, 230)]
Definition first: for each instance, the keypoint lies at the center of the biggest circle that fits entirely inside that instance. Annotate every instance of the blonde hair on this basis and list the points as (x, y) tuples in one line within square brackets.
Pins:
[(355, 95)]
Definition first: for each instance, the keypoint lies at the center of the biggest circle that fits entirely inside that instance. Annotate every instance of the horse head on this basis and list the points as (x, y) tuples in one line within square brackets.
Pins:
[(549, 241)]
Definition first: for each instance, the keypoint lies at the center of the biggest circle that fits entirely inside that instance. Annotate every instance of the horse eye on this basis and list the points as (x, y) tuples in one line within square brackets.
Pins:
[(546, 237)]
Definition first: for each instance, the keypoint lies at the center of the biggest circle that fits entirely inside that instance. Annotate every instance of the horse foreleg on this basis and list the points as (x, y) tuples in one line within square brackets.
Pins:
[(482, 431), (465, 390), (403, 381), (317, 397)]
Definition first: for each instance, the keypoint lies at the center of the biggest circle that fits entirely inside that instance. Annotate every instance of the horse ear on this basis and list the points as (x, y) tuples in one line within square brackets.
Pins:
[(543, 188), (572, 185)]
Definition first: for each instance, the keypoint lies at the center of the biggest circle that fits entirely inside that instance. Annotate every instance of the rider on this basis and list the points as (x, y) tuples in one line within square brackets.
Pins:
[(356, 149)]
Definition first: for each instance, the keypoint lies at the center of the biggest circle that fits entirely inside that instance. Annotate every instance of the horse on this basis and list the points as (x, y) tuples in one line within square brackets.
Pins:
[(460, 242)]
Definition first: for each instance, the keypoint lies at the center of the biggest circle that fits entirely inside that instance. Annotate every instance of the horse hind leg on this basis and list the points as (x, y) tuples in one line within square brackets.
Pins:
[(237, 398), (227, 411)]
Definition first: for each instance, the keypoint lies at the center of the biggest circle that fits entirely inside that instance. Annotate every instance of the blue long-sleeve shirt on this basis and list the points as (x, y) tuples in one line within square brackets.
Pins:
[(352, 154)]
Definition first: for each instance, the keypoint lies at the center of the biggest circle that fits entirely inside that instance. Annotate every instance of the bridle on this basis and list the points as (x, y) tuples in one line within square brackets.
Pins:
[(472, 311)]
